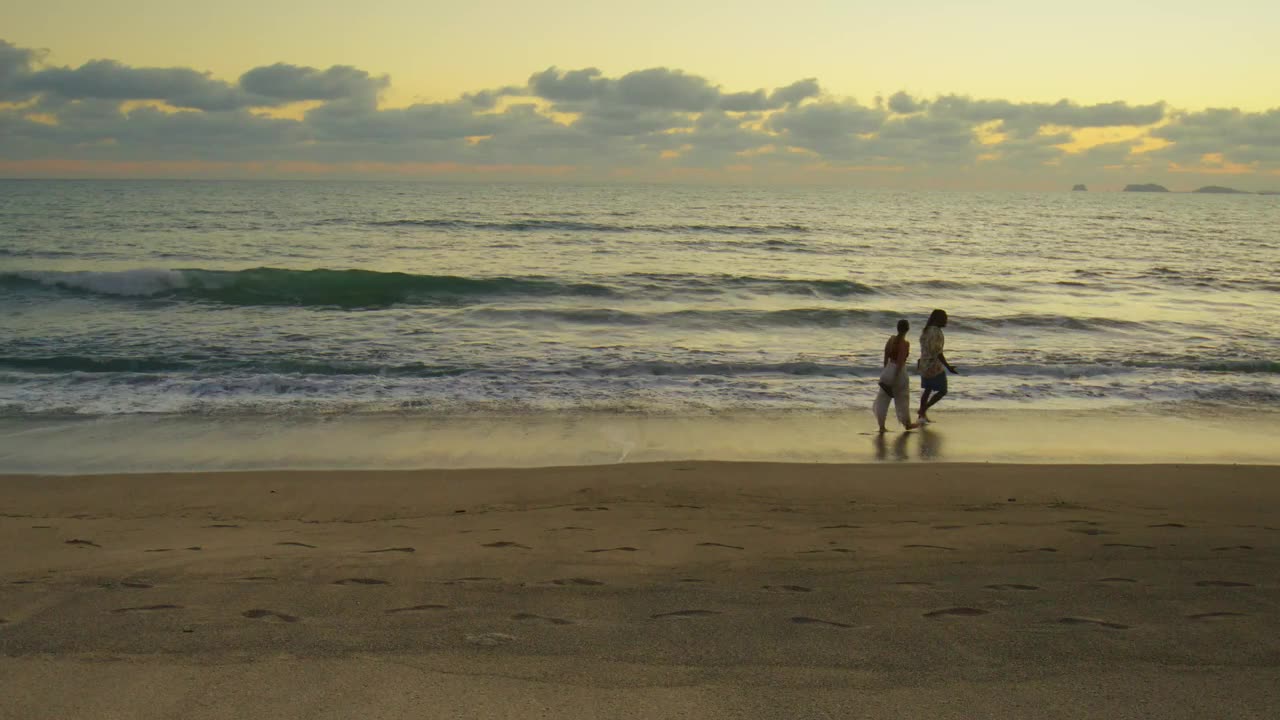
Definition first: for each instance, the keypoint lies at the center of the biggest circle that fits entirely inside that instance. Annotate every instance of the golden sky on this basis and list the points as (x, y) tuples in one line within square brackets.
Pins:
[(1191, 54)]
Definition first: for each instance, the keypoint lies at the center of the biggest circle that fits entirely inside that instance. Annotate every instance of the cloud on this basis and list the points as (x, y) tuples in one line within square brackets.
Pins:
[(664, 89), (1240, 137), (745, 101), (15, 64), (902, 103), (291, 83), (571, 86), (831, 129), (795, 93), (648, 122), (110, 80)]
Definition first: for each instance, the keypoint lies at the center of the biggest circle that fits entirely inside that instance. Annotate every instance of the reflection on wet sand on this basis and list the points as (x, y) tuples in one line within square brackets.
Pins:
[(928, 445)]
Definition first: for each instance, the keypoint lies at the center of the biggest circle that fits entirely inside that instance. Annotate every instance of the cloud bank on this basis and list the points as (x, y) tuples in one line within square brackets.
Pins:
[(105, 117)]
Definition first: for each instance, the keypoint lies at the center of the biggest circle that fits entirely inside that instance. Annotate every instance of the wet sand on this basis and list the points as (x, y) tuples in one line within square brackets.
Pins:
[(693, 589), (162, 443)]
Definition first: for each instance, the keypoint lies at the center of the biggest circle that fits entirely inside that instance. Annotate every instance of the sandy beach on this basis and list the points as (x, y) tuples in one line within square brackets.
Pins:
[(709, 590)]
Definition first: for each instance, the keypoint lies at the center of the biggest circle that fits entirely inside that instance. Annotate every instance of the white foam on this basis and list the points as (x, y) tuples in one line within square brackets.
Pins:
[(133, 283)]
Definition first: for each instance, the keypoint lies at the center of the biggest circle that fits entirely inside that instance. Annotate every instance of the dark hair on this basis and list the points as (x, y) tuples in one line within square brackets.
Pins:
[(937, 317), (903, 326)]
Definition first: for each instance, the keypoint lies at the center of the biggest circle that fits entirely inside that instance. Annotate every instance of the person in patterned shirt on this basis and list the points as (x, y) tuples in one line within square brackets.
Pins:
[(933, 364)]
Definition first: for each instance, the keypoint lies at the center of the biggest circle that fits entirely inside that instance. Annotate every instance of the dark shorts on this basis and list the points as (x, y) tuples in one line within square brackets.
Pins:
[(937, 383)]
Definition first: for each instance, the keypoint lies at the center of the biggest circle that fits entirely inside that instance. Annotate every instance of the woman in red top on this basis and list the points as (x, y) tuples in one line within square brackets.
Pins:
[(893, 380)]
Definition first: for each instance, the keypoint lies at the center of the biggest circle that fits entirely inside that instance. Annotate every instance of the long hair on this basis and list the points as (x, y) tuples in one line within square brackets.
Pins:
[(936, 318)]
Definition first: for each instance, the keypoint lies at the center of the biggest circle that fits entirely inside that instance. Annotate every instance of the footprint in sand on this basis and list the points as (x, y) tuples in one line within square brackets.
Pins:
[(670, 530), (259, 614), (530, 617), (146, 608), (598, 508), (1117, 580), (258, 578), (685, 614), (1128, 545), (193, 547), (1011, 586), (1090, 531), (913, 585), (947, 527), (787, 588), (135, 585), (716, 544), (85, 543), (393, 549), (222, 526), (471, 579), (1092, 621), (506, 544), (360, 581), (567, 527), (1222, 583), (802, 620), (1167, 525), (956, 611), (624, 548), (1232, 547), (1214, 615), (417, 608), (296, 544), (929, 547), (842, 526), (686, 507), (159, 550), (576, 581), (492, 639)]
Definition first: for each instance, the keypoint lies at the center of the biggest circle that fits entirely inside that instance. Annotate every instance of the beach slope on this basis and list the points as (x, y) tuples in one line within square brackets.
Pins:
[(710, 590)]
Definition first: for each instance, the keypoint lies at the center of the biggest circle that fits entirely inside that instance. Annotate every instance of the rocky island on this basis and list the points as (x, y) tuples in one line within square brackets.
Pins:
[(1219, 190), (1147, 187), (1079, 188)]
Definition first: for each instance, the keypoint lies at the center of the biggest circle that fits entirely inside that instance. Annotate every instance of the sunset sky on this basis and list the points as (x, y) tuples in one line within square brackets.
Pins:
[(918, 94)]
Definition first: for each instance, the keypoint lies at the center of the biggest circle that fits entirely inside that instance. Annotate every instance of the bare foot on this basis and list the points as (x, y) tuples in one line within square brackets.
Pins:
[(913, 426), (883, 430)]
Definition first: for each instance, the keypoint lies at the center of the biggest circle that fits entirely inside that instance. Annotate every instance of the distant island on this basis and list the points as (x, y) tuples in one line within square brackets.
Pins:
[(1079, 188), (1206, 190)]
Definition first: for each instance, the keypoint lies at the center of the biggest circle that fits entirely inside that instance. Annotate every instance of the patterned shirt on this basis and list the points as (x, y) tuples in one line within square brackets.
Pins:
[(931, 341)]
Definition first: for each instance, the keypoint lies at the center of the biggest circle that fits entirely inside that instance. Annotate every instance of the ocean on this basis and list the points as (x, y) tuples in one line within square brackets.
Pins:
[(294, 300)]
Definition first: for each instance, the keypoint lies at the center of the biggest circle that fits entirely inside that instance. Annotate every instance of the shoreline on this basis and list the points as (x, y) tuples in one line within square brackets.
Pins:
[(401, 442), (716, 590)]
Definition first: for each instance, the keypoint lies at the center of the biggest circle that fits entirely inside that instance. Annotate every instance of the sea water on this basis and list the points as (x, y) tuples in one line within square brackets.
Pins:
[(295, 300)]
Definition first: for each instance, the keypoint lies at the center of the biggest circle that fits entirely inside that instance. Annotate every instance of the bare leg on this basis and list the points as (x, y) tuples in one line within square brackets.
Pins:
[(924, 407), (924, 403)]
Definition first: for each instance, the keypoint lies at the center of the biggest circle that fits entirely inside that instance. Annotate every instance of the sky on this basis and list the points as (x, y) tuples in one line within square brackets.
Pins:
[(921, 93)]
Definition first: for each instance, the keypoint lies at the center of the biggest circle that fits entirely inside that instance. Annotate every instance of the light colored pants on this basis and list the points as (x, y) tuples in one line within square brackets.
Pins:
[(901, 398)]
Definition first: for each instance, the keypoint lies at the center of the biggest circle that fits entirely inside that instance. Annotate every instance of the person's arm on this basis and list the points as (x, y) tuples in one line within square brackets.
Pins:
[(943, 359)]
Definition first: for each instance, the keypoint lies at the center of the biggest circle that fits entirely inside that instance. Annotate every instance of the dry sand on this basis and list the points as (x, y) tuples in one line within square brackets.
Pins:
[(689, 590)]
